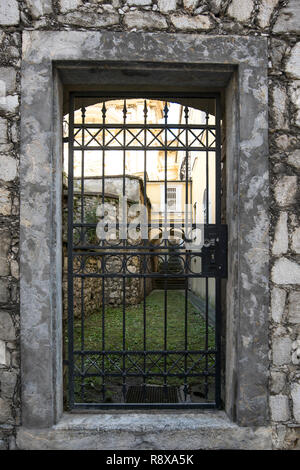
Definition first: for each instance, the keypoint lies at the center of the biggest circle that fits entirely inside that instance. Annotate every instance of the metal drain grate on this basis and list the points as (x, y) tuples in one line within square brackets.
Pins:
[(151, 394)]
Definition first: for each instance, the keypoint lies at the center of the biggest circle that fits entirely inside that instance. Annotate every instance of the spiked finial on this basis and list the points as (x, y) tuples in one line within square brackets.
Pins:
[(124, 110), (103, 110), (186, 113), (145, 108), (166, 110)]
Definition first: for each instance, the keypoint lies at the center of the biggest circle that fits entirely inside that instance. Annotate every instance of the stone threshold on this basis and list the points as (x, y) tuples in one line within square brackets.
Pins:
[(145, 431)]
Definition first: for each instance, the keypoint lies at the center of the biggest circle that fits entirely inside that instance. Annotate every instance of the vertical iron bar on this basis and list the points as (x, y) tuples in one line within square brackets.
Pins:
[(166, 111), (145, 244), (82, 237), (70, 255), (124, 244), (206, 279), (103, 257), (186, 115), (217, 280)]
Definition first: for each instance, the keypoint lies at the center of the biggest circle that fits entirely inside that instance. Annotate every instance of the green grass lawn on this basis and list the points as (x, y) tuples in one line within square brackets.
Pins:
[(155, 326)]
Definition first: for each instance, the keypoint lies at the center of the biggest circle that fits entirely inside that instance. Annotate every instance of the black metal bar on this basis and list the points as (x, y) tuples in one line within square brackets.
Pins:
[(70, 256), (103, 279)]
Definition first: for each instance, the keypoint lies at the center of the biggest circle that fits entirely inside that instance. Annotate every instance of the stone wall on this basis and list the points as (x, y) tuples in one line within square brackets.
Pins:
[(278, 20)]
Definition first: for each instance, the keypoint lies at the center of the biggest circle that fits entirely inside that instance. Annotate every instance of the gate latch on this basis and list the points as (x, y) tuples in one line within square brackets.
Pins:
[(214, 251)]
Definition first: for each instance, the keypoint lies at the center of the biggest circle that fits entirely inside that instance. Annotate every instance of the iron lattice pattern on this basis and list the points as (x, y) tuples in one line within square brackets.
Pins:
[(146, 251)]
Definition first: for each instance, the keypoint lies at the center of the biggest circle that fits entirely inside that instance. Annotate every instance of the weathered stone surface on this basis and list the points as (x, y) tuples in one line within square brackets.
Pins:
[(9, 104), (3, 130), (39, 7), (285, 271), (166, 6), (288, 18), (67, 5), (190, 4), (4, 249), (294, 158), (296, 352), (294, 89), (296, 240), (279, 107), (8, 381), (3, 355), (139, 3), (265, 11), (294, 307), (278, 298), (295, 392), (7, 329), (146, 431), (5, 202), (285, 190), (293, 64), (278, 381), (194, 23), (281, 240), (8, 168), (285, 142), (240, 9), (89, 19), (9, 12), (5, 411), (7, 81), (279, 405), (14, 268), (281, 350), (145, 20)]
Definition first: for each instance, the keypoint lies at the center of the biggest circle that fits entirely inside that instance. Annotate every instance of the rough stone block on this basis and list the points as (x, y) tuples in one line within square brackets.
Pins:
[(294, 90), (288, 18), (8, 168), (278, 381), (294, 159), (89, 19), (3, 131), (39, 7), (145, 20), (281, 240), (4, 249), (285, 271), (7, 329), (296, 240), (295, 392), (139, 3), (277, 304), (8, 381), (166, 6), (293, 64), (194, 23), (9, 104), (9, 12), (285, 190), (294, 307), (279, 405), (282, 350), (5, 202), (3, 355), (240, 10), (279, 107), (7, 81), (5, 411), (190, 4), (265, 12), (68, 5)]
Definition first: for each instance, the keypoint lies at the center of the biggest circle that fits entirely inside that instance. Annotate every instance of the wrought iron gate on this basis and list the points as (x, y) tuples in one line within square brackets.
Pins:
[(146, 250)]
